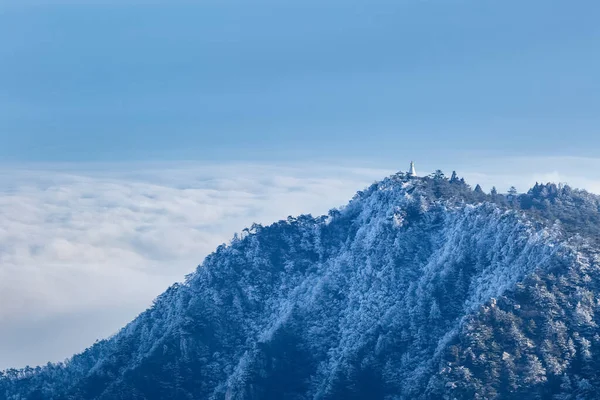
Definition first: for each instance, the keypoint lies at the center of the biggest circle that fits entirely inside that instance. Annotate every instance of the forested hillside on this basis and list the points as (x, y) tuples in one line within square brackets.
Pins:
[(419, 288)]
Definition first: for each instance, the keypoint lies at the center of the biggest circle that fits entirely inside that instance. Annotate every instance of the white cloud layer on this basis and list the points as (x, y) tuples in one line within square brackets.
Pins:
[(82, 251)]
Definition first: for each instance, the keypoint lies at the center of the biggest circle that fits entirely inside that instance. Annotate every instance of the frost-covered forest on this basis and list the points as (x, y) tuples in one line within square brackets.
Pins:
[(419, 288)]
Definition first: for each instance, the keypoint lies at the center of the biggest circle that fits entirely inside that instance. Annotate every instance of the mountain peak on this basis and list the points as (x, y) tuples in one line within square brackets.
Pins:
[(420, 287)]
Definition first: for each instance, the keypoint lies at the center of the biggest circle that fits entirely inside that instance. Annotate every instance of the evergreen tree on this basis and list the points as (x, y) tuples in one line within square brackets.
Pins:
[(438, 175), (423, 292), (454, 178)]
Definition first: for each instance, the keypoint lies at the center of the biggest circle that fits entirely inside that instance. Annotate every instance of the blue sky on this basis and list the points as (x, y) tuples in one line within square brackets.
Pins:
[(270, 81)]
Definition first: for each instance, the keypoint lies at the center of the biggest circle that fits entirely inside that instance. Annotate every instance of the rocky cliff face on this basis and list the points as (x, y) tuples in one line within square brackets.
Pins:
[(418, 288)]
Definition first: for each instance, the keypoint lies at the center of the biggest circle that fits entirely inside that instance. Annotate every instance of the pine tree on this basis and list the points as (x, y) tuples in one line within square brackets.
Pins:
[(438, 175), (454, 177)]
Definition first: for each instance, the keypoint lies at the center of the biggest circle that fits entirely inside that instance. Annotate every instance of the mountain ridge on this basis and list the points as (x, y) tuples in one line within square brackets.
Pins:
[(362, 303)]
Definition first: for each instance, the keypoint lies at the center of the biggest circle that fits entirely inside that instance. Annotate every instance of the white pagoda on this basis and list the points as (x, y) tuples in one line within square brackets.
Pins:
[(412, 172)]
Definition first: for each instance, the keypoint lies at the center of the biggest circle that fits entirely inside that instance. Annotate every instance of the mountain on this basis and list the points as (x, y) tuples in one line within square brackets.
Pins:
[(419, 288)]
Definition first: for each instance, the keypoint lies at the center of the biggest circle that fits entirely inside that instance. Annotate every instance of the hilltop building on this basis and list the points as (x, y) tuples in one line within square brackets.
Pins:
[(412, 172)]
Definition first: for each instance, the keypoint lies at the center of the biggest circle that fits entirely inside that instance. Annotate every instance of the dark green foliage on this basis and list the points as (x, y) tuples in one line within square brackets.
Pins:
[(537, 341), (420, 288), (454, 178), (577, 210)]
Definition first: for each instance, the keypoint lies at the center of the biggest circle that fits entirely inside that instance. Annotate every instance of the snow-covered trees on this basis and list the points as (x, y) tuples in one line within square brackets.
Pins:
[(417, 289)]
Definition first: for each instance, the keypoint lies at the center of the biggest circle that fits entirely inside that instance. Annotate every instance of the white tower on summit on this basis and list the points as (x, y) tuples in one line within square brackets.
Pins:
[(412, 171)]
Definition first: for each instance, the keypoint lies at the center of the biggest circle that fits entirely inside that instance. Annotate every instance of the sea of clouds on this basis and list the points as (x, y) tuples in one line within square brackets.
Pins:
[(83, 251), (85, 248)]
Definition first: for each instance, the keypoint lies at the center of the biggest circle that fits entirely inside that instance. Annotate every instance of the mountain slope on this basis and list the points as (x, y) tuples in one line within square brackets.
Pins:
[(418, 288)]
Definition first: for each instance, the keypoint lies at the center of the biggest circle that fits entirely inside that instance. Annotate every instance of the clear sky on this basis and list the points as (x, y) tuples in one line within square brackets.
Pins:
[(107, 80), (136, 136)]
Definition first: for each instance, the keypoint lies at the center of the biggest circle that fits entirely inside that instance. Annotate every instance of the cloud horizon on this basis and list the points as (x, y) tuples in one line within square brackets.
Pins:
[(85, 248)]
